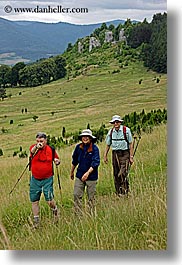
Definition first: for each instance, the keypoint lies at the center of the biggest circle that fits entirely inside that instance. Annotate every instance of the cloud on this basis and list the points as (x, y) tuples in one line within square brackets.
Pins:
[(97, 11)]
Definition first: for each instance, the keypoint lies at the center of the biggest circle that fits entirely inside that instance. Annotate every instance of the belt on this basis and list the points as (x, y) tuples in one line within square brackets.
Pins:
[(121, 151)]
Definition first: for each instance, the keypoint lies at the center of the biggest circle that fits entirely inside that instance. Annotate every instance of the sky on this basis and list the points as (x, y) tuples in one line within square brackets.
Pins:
[(93, 11)]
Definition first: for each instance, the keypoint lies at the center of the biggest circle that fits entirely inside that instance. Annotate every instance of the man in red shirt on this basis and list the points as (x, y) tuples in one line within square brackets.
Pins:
[(42, 157)]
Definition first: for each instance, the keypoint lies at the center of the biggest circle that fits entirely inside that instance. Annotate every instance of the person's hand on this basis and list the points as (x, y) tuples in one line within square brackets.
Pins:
[(56, 161), (85, 176), (105, 159), (36, 148), (39, 145), (72, 175), (131, 160)]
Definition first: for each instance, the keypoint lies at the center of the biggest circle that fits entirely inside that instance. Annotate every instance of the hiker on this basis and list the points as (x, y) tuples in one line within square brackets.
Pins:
[(86, 156), (42, 157), (119, 138)]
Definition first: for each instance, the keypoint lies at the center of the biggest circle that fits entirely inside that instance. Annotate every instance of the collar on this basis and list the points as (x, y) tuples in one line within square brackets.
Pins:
[(120, 128), (90, 147)]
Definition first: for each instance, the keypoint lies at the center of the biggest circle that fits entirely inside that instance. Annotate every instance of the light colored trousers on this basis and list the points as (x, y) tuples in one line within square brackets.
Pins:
[(79, 189)]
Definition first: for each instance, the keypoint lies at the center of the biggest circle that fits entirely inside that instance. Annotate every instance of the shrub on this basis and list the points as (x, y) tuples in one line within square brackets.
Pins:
[(1, 152), (23, 154)]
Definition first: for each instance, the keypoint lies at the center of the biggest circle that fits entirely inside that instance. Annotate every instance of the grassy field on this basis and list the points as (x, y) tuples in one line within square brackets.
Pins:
[(134, 223), (69, 104)]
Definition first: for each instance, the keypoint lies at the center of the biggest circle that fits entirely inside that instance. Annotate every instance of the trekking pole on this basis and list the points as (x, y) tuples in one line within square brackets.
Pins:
[(134, 141), (136, 145), (19, 178), (23, 172), (59, 182), (129, 167)]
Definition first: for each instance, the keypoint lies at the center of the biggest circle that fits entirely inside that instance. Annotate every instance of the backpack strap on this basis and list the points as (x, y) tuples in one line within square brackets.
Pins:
[(111, 134), (125, 136), (53, 152)]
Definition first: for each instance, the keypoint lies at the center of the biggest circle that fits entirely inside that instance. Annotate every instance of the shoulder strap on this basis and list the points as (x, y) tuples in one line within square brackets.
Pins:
[(125, 136), (53, 152), (111, 134), (124, 132)]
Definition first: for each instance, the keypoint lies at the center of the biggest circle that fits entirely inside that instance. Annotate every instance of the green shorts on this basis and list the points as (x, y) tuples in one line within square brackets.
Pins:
[(39, 186)]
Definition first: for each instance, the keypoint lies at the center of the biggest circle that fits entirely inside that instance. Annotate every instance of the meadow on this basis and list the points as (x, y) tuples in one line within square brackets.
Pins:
[(138, 222)]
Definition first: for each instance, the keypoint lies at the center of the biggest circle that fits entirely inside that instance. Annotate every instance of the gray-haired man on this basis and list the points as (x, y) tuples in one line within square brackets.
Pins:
[(119, 138), (42, 157)]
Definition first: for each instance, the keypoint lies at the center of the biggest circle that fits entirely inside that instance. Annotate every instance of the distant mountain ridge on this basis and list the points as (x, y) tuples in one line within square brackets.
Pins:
[(33, 40)]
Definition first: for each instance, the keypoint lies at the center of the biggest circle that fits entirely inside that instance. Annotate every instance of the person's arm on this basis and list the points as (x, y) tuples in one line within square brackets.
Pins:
[(74, 161), (108, 145), (94, 164), (56, 159), (131, 143), (105, 153), (131, 153), (72, 172), (86, 175), (35, 148)]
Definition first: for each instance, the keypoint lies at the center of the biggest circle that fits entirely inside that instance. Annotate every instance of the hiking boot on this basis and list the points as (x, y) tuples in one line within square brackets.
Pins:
[(55, 214), (36, 221)]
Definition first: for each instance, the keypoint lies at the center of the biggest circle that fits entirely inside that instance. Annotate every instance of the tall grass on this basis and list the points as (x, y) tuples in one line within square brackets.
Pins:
[(138, 222)]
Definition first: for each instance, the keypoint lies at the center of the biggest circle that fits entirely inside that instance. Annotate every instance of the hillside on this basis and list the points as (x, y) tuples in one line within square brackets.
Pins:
[(92, 97), (35, 40), (97, 86)]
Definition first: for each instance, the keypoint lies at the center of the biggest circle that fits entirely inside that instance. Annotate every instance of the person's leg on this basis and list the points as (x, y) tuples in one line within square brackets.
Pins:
[(78, 192), (116, 169), (35, 211), (35, 193), (91, 191), (124, 161), (49, 195), (53, 206)]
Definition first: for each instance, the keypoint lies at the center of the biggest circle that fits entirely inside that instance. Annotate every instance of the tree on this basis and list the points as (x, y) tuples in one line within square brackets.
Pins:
[(43, 71), (2, 92), (60, 69), (15, 73), (103, 26), (111, 27), (154, 53), (35, 117), (63, 132), (140, 33), (5, 75), (70, 46), (1, 152), (159, 43)]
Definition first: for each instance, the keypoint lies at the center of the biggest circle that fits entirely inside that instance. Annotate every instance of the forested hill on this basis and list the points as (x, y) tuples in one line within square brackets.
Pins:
[(34, 40), (146, 42)]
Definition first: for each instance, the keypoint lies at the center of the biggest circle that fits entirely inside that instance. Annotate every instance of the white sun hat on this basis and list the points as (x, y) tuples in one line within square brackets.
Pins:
[(116, 118), (87, 132)]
